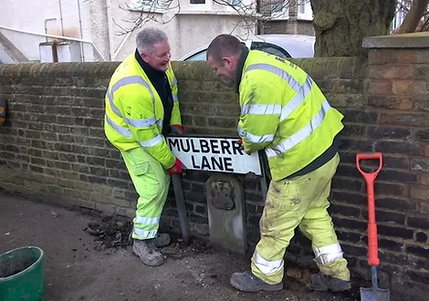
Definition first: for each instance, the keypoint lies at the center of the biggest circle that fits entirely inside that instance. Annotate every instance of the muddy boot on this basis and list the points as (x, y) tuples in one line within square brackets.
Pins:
[(146, 250), (320, 282), (162, 240), (247, 282)]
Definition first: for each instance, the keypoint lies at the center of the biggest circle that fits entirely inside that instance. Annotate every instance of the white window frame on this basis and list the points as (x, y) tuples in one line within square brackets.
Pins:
[(280, 15), (308, 12), (147, 5), (207, 6)]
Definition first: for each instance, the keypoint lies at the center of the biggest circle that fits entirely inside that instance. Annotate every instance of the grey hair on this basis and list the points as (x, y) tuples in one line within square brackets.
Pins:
[(148, 37)]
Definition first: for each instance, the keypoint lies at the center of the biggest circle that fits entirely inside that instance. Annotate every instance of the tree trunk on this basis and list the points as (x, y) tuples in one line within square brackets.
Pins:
[(412, 19), (341, 25)]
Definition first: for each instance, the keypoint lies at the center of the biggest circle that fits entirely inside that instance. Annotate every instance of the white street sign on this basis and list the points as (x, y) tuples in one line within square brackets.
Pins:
[(214, 154)]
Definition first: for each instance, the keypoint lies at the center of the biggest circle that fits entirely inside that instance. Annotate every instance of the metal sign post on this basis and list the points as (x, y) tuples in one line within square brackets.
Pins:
[(211, 154)]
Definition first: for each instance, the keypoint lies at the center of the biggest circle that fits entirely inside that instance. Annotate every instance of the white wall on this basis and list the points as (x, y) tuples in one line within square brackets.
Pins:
[(189, 28), (29, 15)]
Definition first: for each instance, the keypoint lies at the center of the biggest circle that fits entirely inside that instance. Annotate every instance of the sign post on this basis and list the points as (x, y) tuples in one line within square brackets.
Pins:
[(212, 155)]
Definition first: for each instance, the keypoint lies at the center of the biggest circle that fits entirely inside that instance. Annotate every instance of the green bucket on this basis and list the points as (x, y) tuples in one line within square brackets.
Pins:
[(21, 274)]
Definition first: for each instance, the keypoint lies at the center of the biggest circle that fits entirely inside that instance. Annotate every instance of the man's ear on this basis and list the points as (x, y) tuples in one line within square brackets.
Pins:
[(144, 56), (227, 61)]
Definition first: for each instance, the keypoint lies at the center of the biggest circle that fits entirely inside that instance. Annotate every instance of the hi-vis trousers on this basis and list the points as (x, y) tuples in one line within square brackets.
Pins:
[(301, 201), (151, 182)]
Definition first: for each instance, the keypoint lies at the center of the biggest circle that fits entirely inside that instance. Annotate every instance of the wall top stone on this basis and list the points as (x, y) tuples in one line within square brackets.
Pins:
[(409, 40), (56, 70)]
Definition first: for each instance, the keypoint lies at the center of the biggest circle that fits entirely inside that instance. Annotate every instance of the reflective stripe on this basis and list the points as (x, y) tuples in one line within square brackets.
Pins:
[(135, 79), (158, 139), (174, 81), (127, 133), (140, 123), (268, 266), (147, 220), (112, 105), (328, 254), (145, 233), (175, 97), (302, 134), (260, 109), (121, 130), (277, 71), (160, 122), (301, 90), (253, 138), (297, 100)]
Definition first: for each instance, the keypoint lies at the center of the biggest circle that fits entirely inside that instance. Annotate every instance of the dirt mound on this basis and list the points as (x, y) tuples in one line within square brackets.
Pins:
[(110, 232), (114, 232)]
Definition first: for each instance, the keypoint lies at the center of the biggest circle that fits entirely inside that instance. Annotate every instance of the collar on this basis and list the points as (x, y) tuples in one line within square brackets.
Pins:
[(148, 69), (240, 66)]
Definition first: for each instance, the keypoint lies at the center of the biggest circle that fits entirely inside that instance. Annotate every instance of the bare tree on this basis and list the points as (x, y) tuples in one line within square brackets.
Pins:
[(147, 10), (251, 13), (340, 26), (416, 18)]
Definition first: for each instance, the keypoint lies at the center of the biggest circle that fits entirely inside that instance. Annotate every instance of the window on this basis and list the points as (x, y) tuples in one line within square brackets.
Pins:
[(201, 5), (304, 10), (234, 2), (402, 8), (149, 5), (270, 48), (279, 9), (200, 56)]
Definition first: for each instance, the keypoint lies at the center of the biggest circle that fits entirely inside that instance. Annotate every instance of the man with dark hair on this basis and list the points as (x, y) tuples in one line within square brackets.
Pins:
[(142, 108), (284, 113)]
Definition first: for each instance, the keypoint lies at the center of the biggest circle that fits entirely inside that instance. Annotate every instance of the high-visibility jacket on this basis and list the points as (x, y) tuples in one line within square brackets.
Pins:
[(284, 112), (134, 112)]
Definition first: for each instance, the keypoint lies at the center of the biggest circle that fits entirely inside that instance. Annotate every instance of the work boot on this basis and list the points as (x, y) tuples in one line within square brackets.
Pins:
[(146, 250), (247, 282), (320, 282), (162, 240)]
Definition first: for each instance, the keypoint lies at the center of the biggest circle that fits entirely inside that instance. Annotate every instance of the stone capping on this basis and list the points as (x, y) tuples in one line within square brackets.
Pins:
[(409, 40), (55, 70)]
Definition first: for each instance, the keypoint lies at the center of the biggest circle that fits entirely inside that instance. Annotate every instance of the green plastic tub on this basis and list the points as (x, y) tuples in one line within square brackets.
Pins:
[(21, 275)]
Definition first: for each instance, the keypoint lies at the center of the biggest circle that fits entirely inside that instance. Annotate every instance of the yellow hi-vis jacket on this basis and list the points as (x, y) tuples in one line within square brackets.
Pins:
[(284, 112), (134, 112)]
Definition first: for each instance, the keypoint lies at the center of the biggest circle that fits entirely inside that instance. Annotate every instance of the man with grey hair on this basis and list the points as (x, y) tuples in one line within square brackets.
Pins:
[(142, 108)]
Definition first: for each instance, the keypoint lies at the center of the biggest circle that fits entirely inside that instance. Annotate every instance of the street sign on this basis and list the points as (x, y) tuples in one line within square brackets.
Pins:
[(214, 154)]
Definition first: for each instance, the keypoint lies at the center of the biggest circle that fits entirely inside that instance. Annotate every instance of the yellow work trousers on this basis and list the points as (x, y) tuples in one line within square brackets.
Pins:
[(301, 201), (151, 182)]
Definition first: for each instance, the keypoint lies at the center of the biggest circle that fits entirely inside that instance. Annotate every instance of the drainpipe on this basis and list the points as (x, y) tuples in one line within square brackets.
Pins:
[(109, 29), (46, 26), (61, 17), (82, 53)]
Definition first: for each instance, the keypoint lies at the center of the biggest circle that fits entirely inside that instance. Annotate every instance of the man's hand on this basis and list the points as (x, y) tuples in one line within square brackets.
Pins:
[(241, 143), (177, 168), (177, 129)]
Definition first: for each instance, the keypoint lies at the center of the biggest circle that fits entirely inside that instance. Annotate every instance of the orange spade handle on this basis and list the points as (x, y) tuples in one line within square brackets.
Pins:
[(373, 259)]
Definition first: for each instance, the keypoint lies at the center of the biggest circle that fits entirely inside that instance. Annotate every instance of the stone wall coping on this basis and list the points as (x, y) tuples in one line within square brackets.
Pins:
[(401, 41), (183, 69)]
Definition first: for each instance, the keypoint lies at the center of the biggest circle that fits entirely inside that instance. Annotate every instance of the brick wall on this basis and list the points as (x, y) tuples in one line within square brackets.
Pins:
[(52, 147), (291, 25), (301, 27)]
